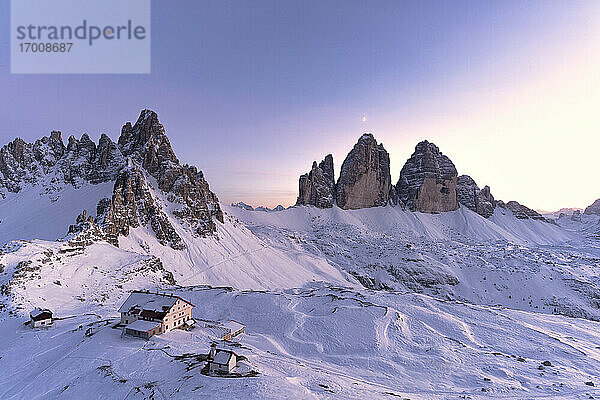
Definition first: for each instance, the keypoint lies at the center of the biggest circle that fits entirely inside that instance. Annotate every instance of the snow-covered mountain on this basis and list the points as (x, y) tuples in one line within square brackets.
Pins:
[(40, 174), (248, 207), (425, 295), (459, 255), (143, 201), (565, 211)]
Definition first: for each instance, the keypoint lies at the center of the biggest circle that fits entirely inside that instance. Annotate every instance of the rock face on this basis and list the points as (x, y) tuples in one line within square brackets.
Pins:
[(428, 181), (479, 200), (576, 216), (317, 188), (593, 209), (80, 161), (133, 205), (243, 206), (148, 145), (143, 151), (522, 212), (365, 176)]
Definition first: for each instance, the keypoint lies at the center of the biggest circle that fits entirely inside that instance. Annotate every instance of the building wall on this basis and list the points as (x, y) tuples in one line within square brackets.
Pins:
[(143, 335), (238, 332), (178, 314), (228, 335), (126, 319), (232, 362), (224, 369), (218, 368), (175, 318), (44, 322)]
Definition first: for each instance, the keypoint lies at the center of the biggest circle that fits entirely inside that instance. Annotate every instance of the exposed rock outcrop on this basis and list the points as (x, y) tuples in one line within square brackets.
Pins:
[(317, 188), (428, 181), (80, 161), (143, 151), (148, 145), (243, 206), (522, 212), (85, 161), (576, 216), (479, 200), (365, 176), (85, 231), (393, 197), (593, 209), (133, 205)]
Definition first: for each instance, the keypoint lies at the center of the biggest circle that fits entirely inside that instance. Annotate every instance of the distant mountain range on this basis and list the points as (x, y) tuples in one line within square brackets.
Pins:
[(563, 211), (248, 207), (428, 182)]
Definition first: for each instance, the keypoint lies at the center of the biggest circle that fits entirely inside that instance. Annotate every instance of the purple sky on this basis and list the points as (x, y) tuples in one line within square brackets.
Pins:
[(253, 91)]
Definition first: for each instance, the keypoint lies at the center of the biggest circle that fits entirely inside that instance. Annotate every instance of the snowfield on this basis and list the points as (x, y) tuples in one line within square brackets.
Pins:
[(522, 264), (39, 213), (371, 303), (321, 341)]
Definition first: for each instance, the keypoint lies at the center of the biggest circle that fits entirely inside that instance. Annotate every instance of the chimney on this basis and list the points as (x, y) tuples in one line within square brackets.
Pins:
[(212, 352)]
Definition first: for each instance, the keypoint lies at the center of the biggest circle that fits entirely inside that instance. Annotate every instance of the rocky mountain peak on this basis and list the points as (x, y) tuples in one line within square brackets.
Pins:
[(317, 188), (133, 205), (13, 153), (522, 212), (143, 149), (368, 138), (48, 162), (55, 143), (365, 179), (147, 140), (428, 180), (147, 144), (593, 209), (479, 200)]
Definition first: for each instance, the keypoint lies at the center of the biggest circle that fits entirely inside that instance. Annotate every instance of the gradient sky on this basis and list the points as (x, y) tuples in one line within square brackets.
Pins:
[(253, 91)]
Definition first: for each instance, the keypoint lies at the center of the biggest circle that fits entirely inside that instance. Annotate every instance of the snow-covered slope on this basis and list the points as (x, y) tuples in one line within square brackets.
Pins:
[(454, 225), (34, 214), (236, 257), (318, 342), (48, 273), (65, 275), (370, 303), (519, 263)]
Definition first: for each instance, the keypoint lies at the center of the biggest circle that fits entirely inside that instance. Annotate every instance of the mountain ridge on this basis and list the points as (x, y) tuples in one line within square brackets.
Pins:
[(143, 151), (428, 183)]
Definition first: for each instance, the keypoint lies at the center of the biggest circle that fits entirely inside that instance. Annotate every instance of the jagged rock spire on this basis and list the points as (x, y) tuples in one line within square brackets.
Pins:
[(48, 162), (479, 200), (148, 145), (428, 181), (317, 188), (365, 176), (593, 209)]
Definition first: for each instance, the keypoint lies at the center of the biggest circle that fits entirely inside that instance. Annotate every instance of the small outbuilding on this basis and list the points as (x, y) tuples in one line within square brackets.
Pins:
[(232, 329), (221, 361), (143, 329), (40, 317)]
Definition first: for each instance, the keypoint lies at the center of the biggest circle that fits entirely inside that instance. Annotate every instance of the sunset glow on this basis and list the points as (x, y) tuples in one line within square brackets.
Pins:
[(509, 92)]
